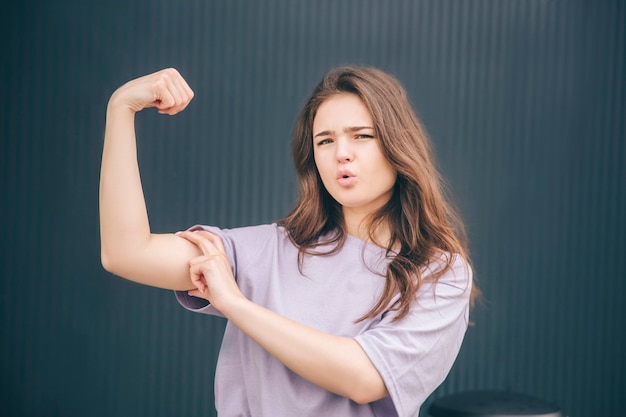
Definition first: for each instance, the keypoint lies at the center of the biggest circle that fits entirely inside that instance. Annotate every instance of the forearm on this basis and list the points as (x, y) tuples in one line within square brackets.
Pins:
[(337, 364), (124, 226)]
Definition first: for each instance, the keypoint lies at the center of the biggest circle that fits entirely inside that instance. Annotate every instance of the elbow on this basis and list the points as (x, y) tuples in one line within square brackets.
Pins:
[(110, 262), (106, 261), (368, 391), (361, 399), (365, 398), (119, 256)]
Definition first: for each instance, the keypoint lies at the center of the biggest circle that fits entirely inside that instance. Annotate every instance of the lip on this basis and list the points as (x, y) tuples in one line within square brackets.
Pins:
[(344, 173), (345, 178)]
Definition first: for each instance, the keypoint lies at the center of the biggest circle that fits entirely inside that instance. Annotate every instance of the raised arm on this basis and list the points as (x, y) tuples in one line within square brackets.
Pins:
[(128, 248)]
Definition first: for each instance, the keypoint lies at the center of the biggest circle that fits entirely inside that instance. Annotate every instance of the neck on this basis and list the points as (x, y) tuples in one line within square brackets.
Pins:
[(358, 225)]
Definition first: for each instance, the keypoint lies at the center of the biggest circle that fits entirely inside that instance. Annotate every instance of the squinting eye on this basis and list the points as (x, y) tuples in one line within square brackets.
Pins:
[(364, 136), (324, 141)]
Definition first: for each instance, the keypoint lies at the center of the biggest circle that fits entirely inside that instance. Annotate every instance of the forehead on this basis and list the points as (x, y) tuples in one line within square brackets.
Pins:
[(340, 110)]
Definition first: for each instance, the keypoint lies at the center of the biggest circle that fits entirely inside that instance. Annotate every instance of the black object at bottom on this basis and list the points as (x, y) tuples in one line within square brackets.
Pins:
[(492, 404)]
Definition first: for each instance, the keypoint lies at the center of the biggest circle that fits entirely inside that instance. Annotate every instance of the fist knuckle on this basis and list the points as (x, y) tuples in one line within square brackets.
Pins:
[(171, 71)]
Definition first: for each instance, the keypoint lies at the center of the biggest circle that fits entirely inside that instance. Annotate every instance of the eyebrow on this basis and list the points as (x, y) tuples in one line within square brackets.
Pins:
[(347, 130)]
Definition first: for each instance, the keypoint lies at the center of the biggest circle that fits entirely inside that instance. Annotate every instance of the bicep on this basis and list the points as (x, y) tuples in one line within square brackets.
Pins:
[(162, 261)]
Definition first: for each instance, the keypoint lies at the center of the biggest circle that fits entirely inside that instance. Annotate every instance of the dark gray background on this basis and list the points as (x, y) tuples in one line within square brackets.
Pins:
[(524, 101)]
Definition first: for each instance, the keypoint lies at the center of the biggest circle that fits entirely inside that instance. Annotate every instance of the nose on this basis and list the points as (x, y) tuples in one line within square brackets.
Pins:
[(343, 151)]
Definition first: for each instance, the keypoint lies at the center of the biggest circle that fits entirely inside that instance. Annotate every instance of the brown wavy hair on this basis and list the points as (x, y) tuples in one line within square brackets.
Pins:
[(422, 222)]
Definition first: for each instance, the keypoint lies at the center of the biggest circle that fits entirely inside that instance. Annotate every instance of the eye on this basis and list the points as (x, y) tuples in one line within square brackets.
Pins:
[(364, 136), (324, 141)]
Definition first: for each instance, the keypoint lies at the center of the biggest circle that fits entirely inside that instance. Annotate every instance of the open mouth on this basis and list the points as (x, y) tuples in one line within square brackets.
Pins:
[(346, 180)]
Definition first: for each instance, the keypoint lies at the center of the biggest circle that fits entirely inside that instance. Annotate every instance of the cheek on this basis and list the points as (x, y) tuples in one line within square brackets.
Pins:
[(319, 164), (389, 176)]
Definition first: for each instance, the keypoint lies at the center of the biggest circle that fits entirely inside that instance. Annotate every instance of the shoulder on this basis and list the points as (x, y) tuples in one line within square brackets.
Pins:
[(448, 275), (454, 267)]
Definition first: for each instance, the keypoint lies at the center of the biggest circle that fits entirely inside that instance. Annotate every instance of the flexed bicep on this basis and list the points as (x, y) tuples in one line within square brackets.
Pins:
[(128, 248)]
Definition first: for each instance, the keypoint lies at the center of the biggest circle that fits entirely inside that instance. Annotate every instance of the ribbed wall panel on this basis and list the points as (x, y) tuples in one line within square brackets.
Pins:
[(524, 100)]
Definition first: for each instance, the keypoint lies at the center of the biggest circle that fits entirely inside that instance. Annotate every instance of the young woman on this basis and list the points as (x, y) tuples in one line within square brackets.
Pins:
[(354, 304)]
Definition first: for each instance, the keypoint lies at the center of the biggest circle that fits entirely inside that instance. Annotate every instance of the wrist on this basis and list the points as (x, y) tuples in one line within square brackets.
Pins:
[(118, 105), (233, 306)]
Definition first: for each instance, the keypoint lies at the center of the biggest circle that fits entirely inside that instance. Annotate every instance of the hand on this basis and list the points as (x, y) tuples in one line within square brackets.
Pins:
[(166, 90), (211, 272)]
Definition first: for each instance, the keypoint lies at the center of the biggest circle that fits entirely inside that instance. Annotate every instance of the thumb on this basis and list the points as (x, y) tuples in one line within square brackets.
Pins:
[(163, 99)]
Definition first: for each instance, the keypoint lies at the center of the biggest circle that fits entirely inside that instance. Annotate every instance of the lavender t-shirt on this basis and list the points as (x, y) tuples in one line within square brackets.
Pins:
[(412, 355)]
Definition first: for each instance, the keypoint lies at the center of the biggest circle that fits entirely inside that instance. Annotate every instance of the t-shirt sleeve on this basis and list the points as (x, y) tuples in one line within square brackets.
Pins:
[(415, 354), (200, 305)]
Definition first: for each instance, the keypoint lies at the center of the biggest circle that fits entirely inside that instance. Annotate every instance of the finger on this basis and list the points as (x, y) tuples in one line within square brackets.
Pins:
[(198, 260), (183, 91), (164, 100), (214, 239), (206, 246), (198, 278), (198, 294), (167, 98), (202, 268), (199, 269), (178, 95), (183, 84)]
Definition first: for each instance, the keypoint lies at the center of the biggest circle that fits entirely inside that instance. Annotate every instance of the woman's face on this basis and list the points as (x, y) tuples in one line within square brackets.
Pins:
[(348, 156)]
